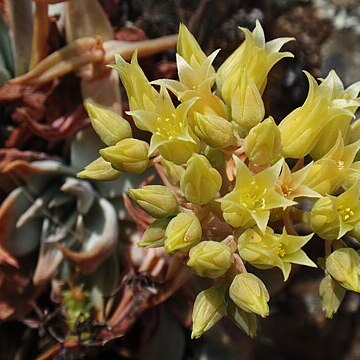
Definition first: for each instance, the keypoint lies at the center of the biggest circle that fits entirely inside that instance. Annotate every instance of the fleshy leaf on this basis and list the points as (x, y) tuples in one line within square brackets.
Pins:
[(101, 222)]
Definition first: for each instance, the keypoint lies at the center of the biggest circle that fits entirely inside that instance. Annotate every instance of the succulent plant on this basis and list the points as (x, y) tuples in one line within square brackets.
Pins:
[(229, 198)]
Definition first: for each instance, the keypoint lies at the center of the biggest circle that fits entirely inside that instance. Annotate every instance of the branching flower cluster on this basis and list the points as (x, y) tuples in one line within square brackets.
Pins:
[(239, 191)]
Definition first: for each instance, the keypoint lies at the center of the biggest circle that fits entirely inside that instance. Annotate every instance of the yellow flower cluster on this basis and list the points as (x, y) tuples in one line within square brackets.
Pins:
[(233, 194)]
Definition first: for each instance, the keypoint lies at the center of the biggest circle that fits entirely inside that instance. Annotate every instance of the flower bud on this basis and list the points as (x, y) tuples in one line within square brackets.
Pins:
[(154, 235), (200, 182), (173, 171), (250, 294), (264, 55), (214, 130), (331, 294), (110, 126), (179, 151), (242, 319), (183, 232), (128, 155), (209, 308), (210, 259), (99, 169), (263, 144), (156, 200), (324, 219), (247, 106), (344, 266)]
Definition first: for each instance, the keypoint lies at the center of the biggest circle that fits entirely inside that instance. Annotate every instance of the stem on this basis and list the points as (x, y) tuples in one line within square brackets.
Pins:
[(40, 35), (239, 264), (328, 248), (289, 226)]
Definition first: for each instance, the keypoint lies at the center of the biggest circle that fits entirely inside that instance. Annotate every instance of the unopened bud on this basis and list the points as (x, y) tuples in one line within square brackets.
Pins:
[(183, 232), (263, 144), (324, 219), (154, 236), (156, 200), (200, 182), (331, 294), (110, 126), (247, 107), (209, 308), (128, 155), (99, 169), (214, 130), (210, 259), (173, 171), (344, 266), (250, 294)]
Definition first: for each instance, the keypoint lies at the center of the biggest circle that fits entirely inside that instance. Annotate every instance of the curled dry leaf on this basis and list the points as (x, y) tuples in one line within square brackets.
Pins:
[(9, 155), (60, 129), (159, 277)]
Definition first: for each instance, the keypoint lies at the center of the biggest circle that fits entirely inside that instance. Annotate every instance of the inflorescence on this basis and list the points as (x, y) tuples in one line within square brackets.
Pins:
[(238, 188)]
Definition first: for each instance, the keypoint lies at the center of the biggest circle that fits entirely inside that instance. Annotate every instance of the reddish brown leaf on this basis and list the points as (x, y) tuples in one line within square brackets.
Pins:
[(11, 92), (9, 155), (16, 291), (59, 129)]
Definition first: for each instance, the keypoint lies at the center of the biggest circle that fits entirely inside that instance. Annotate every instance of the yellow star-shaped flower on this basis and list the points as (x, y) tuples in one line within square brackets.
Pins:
[(253, 196), (267, 250), (171, 134)]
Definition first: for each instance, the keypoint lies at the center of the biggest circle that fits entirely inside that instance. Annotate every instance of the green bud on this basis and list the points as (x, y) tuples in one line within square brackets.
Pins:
[(214, 130), (263, 144), (210, 259), (247, 106), (156, 200), (173, 171), (179, 151), (200, 182), (324, 220), (128, 155), (110, 126), (99, 169), (183, 232), (344, 266), (250, 294), (331, 294), (242, 319), (209, 308), (154, 236)]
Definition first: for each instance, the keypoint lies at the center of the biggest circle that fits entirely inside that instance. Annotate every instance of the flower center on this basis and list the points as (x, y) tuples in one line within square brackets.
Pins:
[(280, 251), (169, 127), (254, 198), (340, 164), (286, 190), (345, 213)]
